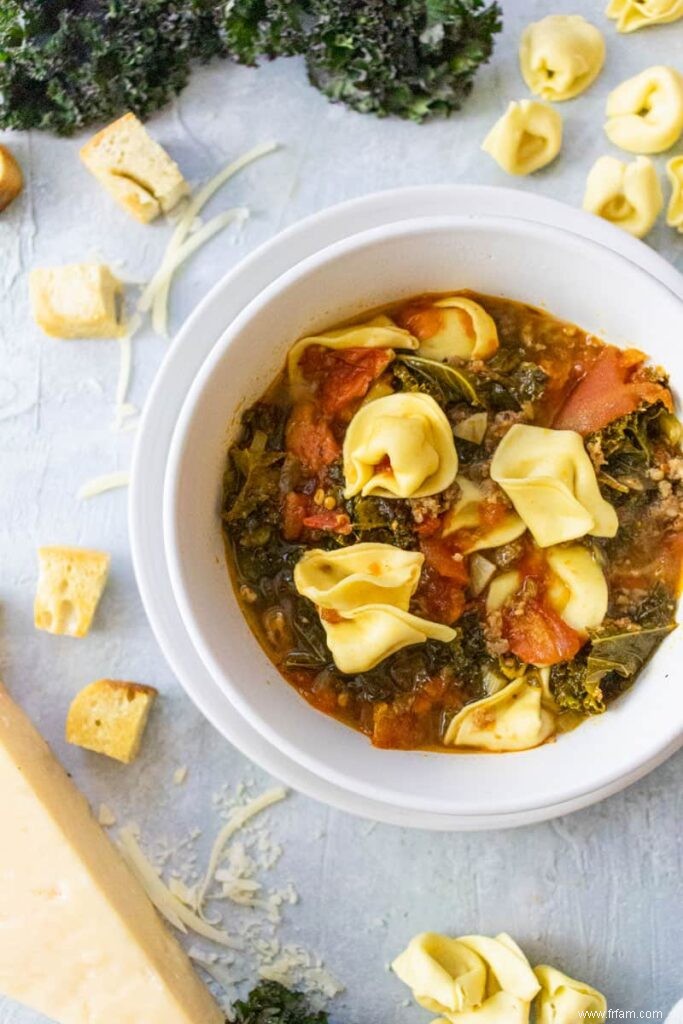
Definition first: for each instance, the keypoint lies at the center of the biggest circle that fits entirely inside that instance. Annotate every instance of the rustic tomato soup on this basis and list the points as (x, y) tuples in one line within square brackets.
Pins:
[(457, 523)]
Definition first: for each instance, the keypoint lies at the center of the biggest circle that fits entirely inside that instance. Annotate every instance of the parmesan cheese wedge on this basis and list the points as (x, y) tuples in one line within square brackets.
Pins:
[(80, 941)]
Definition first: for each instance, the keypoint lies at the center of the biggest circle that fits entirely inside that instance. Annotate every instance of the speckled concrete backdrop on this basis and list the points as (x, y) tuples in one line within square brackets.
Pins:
[(598, 892)]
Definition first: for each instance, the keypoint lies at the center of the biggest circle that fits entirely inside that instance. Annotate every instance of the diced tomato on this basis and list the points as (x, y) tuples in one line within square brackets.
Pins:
[(295, 508), (335, 522), (538, 636), (442, 555), (422, 319), (396, 729), (440, 598), (343, 375), (429, 526), (310, 439), (610, 389)]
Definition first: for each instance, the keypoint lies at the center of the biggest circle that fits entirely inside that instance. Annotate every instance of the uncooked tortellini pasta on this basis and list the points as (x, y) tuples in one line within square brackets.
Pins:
[(464, 515), (471, 978), (563, 1000), (628, 195), (561, 55), (511, 719), (645, 113), (549, 477), (362, 637), (359, 574), (634, 14), (453, 328), (380, 332), (400, 446), (577, 589), (527, 137), (674, 213)]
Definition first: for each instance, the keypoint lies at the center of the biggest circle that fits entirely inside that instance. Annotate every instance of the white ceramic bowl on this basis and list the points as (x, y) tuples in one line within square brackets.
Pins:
[(577, 280)]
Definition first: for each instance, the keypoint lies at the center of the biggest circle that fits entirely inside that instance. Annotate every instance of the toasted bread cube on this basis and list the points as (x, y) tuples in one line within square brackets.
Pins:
[(109, 716), (78, 300), (70, 585), (134, 169), (11, 178)]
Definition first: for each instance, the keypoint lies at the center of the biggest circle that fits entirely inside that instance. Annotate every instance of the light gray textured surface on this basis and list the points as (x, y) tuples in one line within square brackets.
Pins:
[(598, 892)]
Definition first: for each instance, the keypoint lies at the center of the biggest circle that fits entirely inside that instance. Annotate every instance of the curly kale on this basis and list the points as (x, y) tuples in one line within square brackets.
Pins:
[(66, 64), (272, 1003), (412, 58)]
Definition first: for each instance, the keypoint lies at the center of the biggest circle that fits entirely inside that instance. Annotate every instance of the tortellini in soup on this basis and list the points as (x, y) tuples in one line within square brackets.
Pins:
[(512, 719), (452, 328), (674, 213), (627, 195), (527, 137), (360, 638), (630, 15), (549, 477), (466, 514), (400, 446), (358, 575), (564, 1000), (645, 113), (380, 332), (561, 55)]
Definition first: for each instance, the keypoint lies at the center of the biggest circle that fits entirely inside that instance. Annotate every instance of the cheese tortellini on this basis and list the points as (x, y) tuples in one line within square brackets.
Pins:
[(380, 332), (631, 15), (400, 446), (362, 593), (453, 328), (674, 212), (549, 477), (473, 978), (358, 575), (561, 55), (511, 719), (563, 1000), (627, 195), (465, 515), (527, 137), (577, 588), (362, 637), (645, 113)]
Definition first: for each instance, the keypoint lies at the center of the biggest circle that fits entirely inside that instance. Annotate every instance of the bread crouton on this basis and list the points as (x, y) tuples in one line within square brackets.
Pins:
[(136, 171), (11, 178), (78, 300), (70, 585), (109, 716)]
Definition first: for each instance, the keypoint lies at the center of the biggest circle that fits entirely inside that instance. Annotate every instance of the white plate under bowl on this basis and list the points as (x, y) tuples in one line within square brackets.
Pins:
[(576, 279), (201, 331)]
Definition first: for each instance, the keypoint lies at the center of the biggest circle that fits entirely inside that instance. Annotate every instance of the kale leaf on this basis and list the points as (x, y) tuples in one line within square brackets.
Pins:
[(508, 382), (412, 58), (254, 29), (445, 383), (272, 1003)]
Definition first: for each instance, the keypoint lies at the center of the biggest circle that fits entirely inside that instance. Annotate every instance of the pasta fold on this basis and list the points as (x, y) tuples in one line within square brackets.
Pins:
[(674, 212), (465, 514), (362, 637), (360, 574), (452, 328), (549, 477), (645, 113), (511, 719), (563, 1000), (630, 15), (527, 137), (628, 195), (380, 332), (560, 56), (445, 975), (400, 446)]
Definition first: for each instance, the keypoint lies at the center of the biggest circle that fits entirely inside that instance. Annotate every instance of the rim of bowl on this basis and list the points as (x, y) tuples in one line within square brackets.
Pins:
[(327, 254)]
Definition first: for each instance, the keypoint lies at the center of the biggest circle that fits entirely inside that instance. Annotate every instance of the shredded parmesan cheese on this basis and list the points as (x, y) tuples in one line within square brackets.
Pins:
[(100, 484), (106, 816), (179, 775), (172, 908), (239, 817)]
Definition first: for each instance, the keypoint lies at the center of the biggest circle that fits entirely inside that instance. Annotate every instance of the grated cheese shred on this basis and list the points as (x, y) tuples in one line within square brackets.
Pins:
[(101, 484)]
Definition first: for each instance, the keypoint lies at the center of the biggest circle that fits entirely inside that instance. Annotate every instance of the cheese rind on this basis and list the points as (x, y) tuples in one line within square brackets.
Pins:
[(136, 171), (79, 939)]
